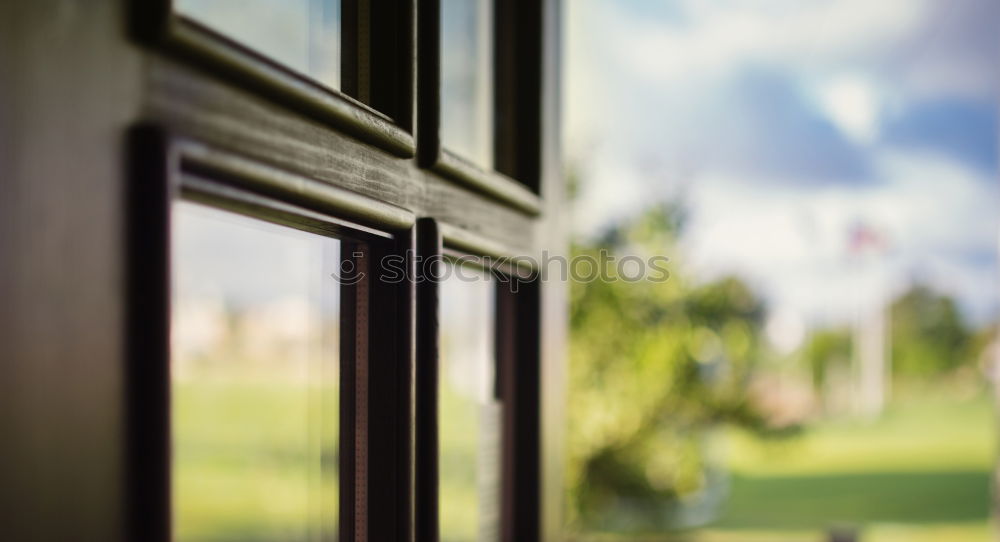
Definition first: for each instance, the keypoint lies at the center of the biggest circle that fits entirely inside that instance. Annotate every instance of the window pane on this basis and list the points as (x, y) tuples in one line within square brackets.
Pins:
[(301, 34), (467, 79), (469, 414), (254, 379)]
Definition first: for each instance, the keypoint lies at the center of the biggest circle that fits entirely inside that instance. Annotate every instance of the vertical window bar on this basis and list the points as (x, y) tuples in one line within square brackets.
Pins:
[(428, 83), (377, 59), (518, 361), (429, 256), (517, 143), (354, 421)]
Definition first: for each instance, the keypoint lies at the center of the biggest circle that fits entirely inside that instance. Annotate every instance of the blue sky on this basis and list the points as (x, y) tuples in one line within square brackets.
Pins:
[(786, 124)]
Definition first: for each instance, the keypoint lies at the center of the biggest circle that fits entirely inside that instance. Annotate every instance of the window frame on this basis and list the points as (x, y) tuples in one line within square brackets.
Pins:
[(212, 195), (371, 60), (376, 368), (87, 357), (514, 177), (518, 375), (479, 222)]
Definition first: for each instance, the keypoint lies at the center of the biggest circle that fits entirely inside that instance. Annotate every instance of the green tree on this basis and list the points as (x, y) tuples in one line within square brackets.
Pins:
[(826, 348), (653, 365), (929, 335)]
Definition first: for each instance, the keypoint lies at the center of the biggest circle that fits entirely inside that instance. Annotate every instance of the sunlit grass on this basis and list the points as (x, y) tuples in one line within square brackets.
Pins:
[(915, 433), (921, 472), (948, 532), (247, 460), (460, 431)]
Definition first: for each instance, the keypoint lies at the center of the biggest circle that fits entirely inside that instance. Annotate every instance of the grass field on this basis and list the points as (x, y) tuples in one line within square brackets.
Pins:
[(247, 460), (253, 459), (921, 472)]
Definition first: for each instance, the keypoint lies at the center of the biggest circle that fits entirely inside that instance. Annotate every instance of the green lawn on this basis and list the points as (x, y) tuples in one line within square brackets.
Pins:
[(253, 459), (922, 472), (246, 460)]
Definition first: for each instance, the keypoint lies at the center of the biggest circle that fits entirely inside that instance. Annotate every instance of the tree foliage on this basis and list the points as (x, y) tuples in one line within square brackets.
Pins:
[(929, 335), (653, 366)]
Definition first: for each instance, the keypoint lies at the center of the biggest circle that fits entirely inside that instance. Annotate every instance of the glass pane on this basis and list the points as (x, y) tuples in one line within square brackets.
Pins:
[(301, 34), (467, 79), (469, 414), (254, 379)]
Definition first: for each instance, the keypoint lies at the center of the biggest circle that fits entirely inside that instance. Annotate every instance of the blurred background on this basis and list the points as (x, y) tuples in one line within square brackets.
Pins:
[(823, 176)]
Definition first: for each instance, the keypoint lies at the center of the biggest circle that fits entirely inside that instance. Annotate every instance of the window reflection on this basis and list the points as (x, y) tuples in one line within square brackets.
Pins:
[(254, 379), (301, 34), (469, 413), (467, 79)]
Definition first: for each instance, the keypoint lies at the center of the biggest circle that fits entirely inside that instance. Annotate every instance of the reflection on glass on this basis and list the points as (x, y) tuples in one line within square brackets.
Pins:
[(301, 34), (254, 379), (467, 79), (468, 412)]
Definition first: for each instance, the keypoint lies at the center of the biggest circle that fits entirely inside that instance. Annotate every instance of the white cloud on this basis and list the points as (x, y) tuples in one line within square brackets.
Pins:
[(666, 89), (852, 104), (793, 243), (620, 194), (715, 37)]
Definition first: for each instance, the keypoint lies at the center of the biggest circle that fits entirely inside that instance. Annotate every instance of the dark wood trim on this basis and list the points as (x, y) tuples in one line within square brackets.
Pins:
[(429, 255), (378, 366), (431, 154), (392, 59), (354, 392), (262, 140), (518, 332), (505, 358), (390, 490), (354, 39), (378, 38), (500, 268), (428, 82), (518, 76), (147, 391), (296, 189), (224, 196), (377, 435), (211, 112), (491, 183), (154, 23), (517, 386), (407, 413), (458, 241)]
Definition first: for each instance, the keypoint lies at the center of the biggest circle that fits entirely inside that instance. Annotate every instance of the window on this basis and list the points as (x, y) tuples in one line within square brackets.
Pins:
[(295, 408), (289, 332), (301, 34), (467, 79), (480, 96), (288, 152), (470, 410), (477, 380), (255, 379), (347, 63)]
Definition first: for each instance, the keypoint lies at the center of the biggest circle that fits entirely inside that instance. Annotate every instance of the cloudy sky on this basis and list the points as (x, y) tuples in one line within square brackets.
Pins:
[(790, 127)]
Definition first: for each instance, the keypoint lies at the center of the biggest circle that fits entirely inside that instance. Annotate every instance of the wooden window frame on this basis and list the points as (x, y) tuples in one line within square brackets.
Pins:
[(515, 175), (377, 67), (376, 369), (399, 453), (88, 350), (517, 355)]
